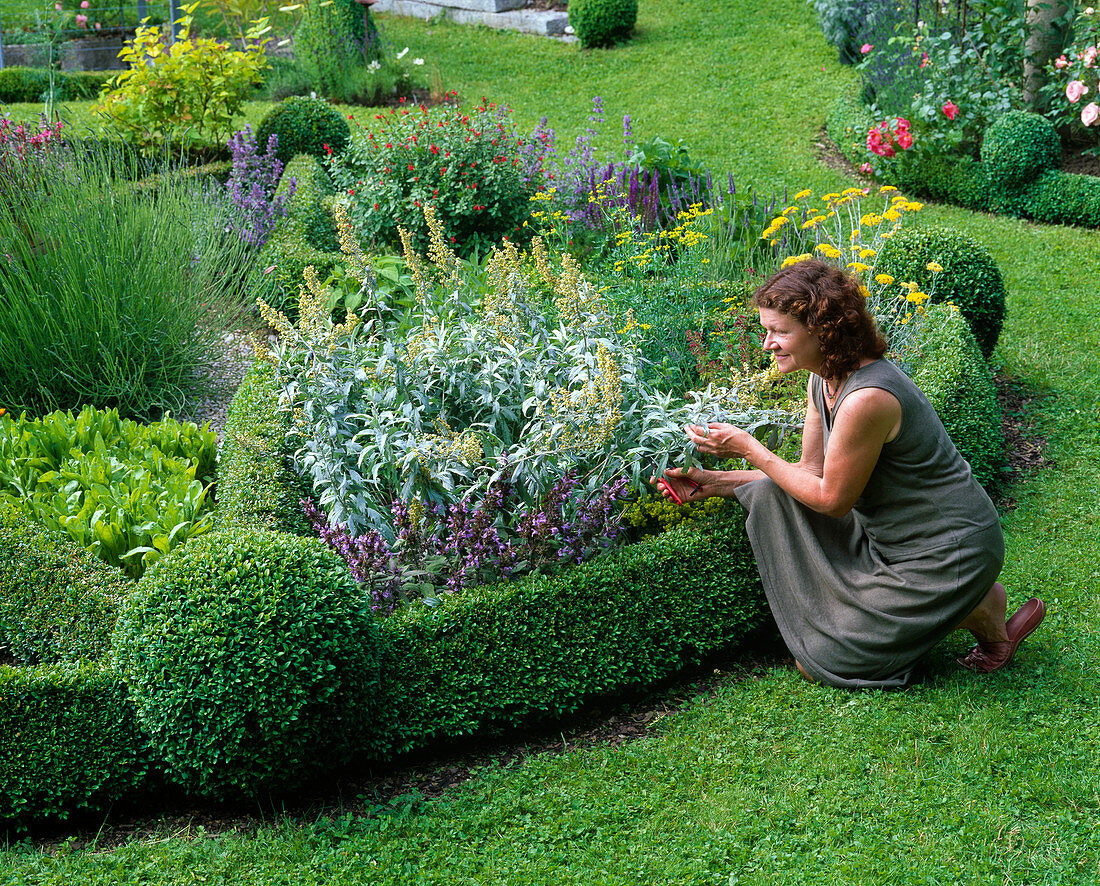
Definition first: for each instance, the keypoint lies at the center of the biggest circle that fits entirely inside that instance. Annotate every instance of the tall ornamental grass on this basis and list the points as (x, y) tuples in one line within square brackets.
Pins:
[(111, 293)]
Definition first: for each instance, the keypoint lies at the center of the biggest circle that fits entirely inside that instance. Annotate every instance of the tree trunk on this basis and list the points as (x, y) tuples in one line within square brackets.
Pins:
[(1046, 35)]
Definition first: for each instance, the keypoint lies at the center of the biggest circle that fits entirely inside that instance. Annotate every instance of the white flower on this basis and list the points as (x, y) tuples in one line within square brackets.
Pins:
[(418, 61), (402, 53), (374, 66)]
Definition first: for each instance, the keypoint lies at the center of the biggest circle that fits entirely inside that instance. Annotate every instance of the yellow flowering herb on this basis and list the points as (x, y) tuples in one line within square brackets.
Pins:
[(795, 259), (827, 250), (803, 194), (934, 267), (859, 267), (887, 189), (870, 220), (884, 279)]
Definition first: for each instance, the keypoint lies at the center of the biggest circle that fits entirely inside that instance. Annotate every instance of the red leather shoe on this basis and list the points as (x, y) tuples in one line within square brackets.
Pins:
[(985, 658)]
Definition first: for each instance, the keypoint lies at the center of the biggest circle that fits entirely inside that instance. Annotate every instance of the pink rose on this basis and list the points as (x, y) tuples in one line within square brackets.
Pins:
[(923, 59), (1089, 57), (1061, 62), (83, 4), (82, 21), (1075, 89), (951, 110), (57, 6), (903, 125), (867, 169), (98, 25), (905, 140), (865, 48), (1089, 113)]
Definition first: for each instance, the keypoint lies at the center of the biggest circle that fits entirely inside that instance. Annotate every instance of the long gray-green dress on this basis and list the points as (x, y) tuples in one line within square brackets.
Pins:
[(860, 599)]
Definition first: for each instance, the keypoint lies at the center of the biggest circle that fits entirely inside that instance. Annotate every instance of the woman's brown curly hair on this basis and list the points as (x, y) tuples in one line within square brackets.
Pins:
[(831, 303)]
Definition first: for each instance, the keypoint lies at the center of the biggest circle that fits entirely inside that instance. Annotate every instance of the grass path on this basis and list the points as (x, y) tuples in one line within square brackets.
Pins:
[(959, 780)]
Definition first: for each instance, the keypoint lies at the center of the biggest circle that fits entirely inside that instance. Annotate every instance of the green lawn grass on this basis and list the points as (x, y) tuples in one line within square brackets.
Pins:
[(958, 780)]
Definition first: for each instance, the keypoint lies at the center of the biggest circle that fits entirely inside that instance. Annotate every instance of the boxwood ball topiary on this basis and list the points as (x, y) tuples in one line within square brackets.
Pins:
[(970, 278), (1018, 148), (304, 126), (602, 22), (252, 660)]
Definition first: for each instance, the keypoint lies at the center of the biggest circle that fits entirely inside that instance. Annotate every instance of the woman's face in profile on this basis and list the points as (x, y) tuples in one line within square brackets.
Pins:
[(790, 342)]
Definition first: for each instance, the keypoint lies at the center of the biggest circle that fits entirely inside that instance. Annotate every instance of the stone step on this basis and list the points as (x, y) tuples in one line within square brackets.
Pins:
[(547, 23)]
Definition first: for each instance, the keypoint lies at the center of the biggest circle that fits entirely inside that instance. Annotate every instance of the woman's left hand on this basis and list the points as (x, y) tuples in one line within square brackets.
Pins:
[(721, 440)]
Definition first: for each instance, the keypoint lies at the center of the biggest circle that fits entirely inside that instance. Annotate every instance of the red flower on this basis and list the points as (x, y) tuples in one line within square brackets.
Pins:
[(375, 205), (905, 140), (951, 110), (328, 150), (410, 167), (434, 149)]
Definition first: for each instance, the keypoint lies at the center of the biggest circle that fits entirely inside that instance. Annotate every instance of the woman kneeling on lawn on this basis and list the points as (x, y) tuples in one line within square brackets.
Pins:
[(878, 542)]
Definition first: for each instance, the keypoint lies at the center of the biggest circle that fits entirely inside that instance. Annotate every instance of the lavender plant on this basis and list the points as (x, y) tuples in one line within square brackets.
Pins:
[(252, 187)]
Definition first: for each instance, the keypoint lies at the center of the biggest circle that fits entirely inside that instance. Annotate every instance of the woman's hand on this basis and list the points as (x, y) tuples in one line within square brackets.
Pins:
[(693, 484), (721, 440)]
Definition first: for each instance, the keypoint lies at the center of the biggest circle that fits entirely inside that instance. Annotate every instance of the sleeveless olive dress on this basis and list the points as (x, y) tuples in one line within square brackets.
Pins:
[(860, 599)]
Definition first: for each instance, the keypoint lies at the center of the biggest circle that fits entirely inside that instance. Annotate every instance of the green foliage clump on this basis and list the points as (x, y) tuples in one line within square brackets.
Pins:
[(652, 514), (514, 653), (69, 740), (970, 278), (57, 601), (603, 22), (187, 92), (251, 657), (31, 85), (1018, 148), (949, 369), (947, 178), (333, 44), (126, 491), (465, 165), (257, 485), (304, 125)]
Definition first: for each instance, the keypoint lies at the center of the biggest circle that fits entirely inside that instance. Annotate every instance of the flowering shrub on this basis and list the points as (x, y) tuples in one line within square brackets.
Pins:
[(188, 91), (27, 155), (843, 233), (1075, 79), (466, 166), (252, 187)]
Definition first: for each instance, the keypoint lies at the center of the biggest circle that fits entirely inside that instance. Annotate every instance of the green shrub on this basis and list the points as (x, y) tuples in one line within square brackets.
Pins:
[(970, 278), (1058, 198), (1018, 148), (465, 165), (186, 93), (19, 84), (252, 660), (961, 180), (603, 22), (304, 126), (503, 655), (128, 492), (84, 85), (69, 740), (57, 601), (257, 487), (949, 369)]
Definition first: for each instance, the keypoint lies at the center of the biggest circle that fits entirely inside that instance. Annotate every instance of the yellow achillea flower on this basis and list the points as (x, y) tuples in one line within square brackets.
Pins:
[(859, 267), (884, 279), (827, 250), (813, 222), (914, 207), (791, 210), (917, 298), (851, 192), (867, 253), (887, 189), (891, 215), (828, 198), (934, 267), (870, 220), (865, 292), (803, 194), (854, 235), (795, 259)]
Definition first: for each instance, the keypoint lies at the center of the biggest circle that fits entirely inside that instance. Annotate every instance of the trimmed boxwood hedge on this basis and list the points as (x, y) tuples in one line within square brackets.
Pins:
[(69, 740), (513, 653), (29, 85), (256, 484), (957, 381)]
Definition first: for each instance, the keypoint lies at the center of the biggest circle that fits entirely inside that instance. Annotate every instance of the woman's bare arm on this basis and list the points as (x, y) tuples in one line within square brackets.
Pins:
[(869, 417)]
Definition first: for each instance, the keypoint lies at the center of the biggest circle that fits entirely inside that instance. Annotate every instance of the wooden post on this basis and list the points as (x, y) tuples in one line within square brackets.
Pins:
[(173, 14)]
